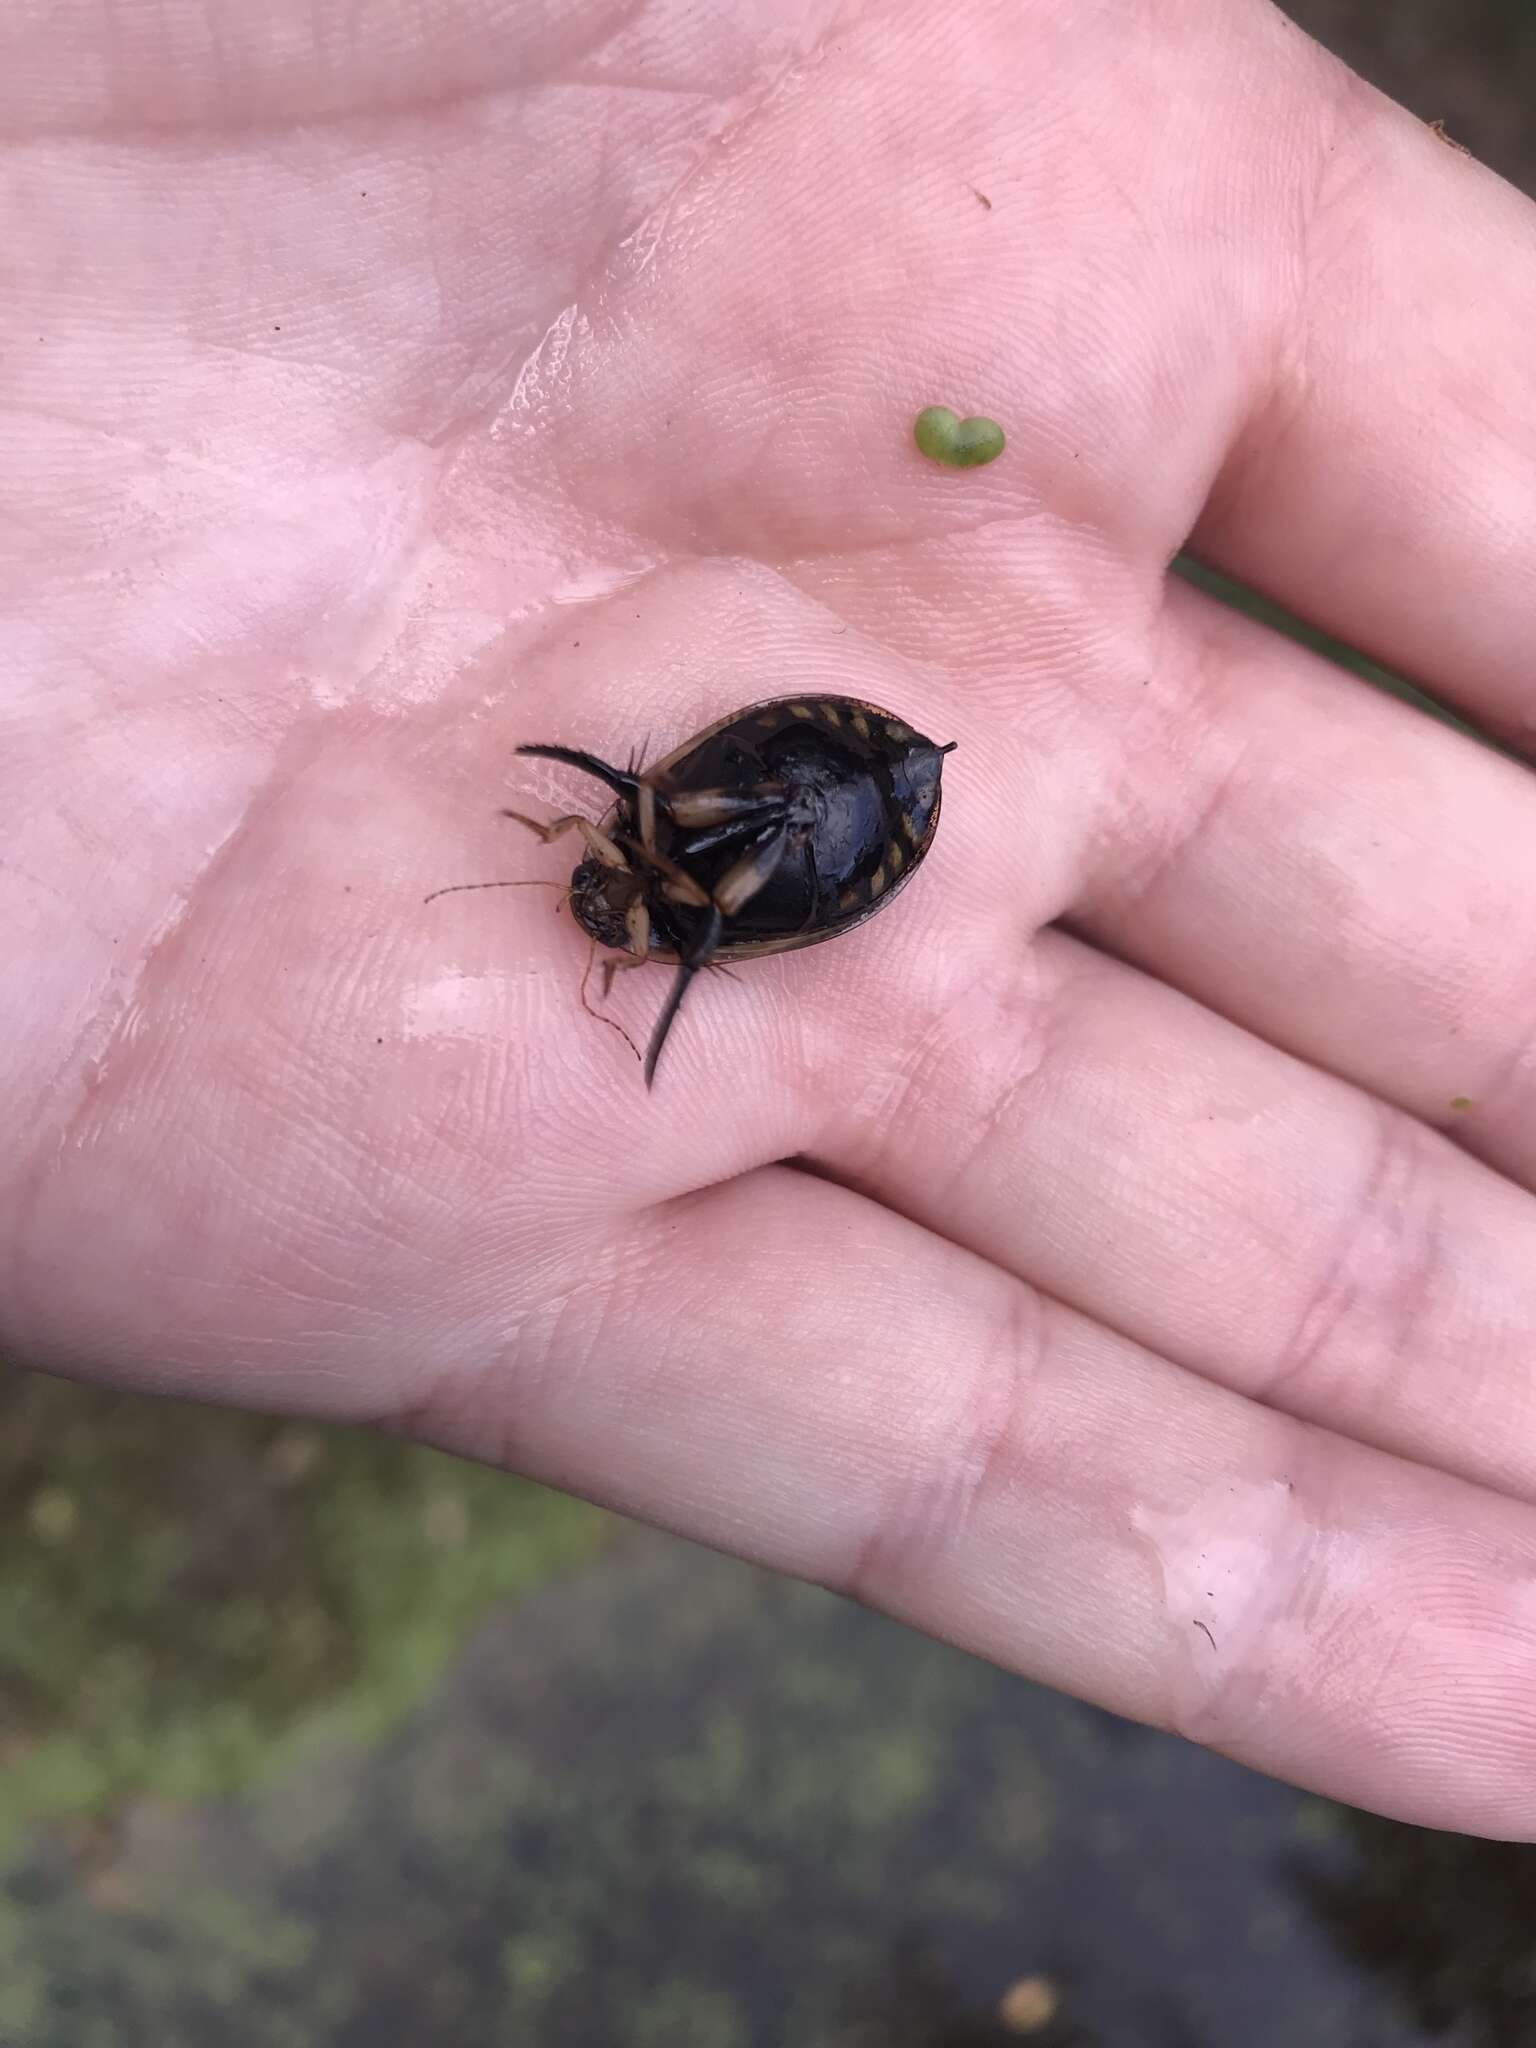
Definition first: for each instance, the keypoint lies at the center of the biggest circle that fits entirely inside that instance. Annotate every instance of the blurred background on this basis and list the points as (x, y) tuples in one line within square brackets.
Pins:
[(312, 1738)]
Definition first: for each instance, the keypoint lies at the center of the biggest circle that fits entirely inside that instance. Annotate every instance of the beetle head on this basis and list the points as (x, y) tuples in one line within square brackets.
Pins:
[(600, 896)]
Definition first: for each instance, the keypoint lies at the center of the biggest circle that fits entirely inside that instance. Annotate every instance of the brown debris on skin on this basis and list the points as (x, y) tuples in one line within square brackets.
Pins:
[(1437, 127)]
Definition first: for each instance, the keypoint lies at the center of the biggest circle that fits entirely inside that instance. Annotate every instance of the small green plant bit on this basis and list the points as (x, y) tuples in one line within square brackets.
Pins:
[(962, 444)]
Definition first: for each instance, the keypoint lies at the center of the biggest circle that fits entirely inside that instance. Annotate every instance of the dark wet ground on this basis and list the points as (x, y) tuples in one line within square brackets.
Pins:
[(1468, 63), (670, 1800), (313, 1740)]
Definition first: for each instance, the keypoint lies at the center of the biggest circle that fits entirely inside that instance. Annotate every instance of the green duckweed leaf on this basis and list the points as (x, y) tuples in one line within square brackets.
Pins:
[(960, 443)]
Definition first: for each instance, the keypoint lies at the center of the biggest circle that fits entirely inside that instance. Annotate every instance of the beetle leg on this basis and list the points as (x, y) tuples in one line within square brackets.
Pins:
[(810, 849), (609, 1021), (721, 806), (617, 779), (755, 870), (680, 886), (599, 845), (706, 842), (617, 964), (645, 815), (637, 924), (735, 889), (698, 955)]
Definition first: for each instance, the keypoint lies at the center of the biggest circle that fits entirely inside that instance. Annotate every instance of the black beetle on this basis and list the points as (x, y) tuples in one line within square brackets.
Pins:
[(780, 826)]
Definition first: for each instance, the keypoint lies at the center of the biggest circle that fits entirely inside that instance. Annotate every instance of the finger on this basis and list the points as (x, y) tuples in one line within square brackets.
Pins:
[(1092, 1131), (1384, 485), (780, 1368), (1330, 869)]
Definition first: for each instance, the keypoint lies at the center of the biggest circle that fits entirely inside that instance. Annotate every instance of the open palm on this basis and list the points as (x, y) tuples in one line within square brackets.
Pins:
[(1117, 1257)]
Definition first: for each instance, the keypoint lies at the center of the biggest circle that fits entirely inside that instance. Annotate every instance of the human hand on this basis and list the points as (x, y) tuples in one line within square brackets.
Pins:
[(1138, 1304)]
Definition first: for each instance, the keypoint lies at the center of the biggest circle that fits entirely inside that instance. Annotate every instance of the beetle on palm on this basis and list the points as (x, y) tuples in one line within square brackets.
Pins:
[(785, 824)]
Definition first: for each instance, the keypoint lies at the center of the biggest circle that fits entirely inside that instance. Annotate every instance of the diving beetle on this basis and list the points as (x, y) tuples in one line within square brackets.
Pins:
[(785, 824)]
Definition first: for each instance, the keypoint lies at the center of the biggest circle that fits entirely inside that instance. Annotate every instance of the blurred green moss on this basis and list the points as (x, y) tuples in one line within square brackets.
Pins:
[(185, 1592)]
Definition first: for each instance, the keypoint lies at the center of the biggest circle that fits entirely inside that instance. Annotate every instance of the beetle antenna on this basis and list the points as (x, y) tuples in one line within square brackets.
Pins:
[(612, 1024), (454, 888)]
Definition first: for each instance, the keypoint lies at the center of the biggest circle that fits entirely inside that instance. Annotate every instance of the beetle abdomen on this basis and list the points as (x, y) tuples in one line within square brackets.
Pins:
[(867, 785)]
